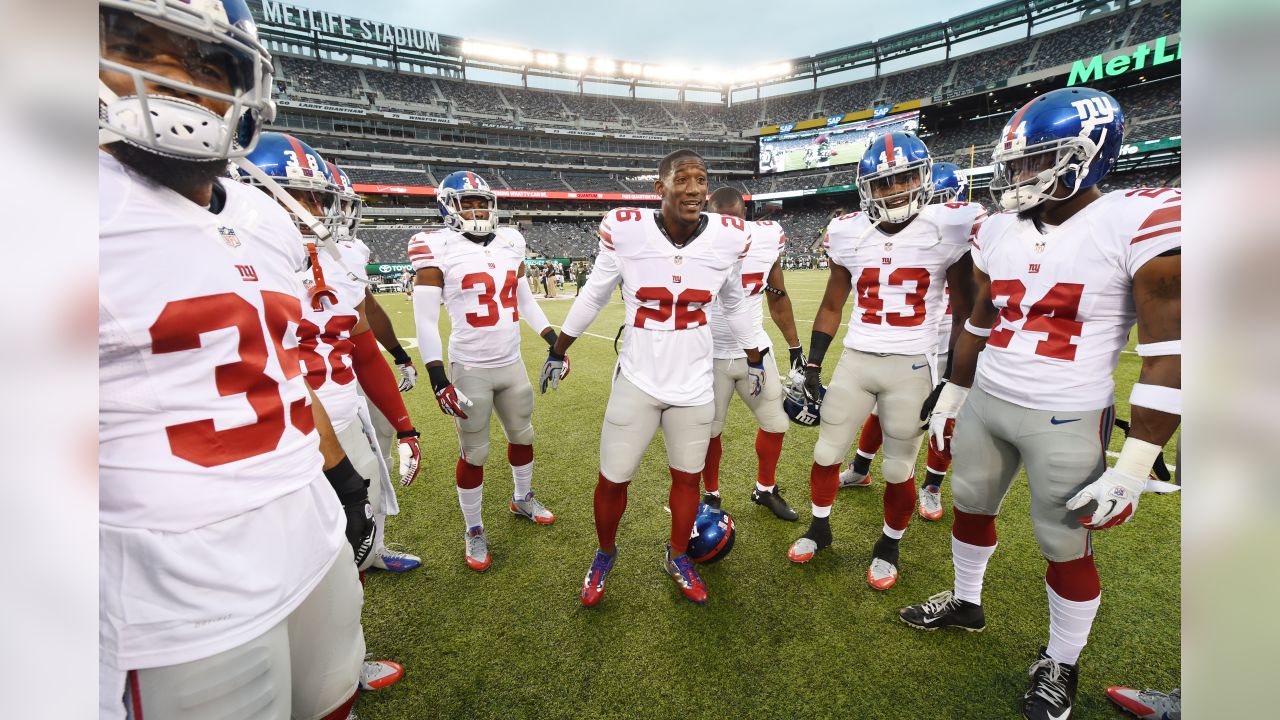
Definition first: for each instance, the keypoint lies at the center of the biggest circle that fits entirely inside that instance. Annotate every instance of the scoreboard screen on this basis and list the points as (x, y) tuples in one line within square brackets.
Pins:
[(829, 146)]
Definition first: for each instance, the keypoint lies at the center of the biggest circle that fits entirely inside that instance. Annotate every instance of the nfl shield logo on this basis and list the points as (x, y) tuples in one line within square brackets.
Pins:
[(679, 260), (888, 247), (229, 237), (1040, 246)]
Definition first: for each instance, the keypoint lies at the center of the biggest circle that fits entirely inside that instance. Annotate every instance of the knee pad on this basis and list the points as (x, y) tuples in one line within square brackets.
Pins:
[(827, 453), (896, 470), (476, 453), (523, 436)]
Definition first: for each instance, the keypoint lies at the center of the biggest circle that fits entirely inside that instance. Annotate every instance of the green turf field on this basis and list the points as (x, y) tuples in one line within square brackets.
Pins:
[(775, 640)]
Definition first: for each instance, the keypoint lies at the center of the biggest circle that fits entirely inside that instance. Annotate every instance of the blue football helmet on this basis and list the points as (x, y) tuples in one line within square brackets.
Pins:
[(452, 190), (349, 206), (1069, 137), (297, 167), (801, 411), (221, 34), (713, 535), (891, 155), (948, 185)]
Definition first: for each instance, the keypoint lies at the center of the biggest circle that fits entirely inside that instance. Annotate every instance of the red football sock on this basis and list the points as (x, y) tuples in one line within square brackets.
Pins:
[(1076, 580), (344, 710), (711, 469), (824, 482), (871, 437), (610, 503), (519, 455), (768, 450), (973, 529), (683, 501), (899, 503), (468, 476)]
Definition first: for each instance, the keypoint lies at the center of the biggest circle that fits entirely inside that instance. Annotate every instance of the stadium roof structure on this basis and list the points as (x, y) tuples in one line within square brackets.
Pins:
[(300, 30)]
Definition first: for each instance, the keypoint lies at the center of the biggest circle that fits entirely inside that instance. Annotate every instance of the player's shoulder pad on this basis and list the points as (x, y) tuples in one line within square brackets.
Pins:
[(992, 227), (510, 234), (843, 231), (959, 222), (734, 234), (767, 232), (429, 245), (621, 222), (1145, 213)]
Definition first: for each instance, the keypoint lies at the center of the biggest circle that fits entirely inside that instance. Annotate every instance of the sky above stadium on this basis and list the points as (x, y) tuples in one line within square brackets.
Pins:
[(723, 35)]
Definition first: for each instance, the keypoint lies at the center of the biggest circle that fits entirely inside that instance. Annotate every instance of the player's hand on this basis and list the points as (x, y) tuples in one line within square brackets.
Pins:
[(1117, 497), (950, 398), (927, 408), (408, 376), (452, 401), (795, 375), (555, 369), (755, 375), (813, 383), (410, 456)]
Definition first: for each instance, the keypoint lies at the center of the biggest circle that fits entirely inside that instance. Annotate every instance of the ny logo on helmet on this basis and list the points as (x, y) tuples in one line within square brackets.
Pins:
[(1094, 111)]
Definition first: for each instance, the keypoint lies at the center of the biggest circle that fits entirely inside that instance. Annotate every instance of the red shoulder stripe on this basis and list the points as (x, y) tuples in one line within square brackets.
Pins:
[(1163, 216), (1156, 234)]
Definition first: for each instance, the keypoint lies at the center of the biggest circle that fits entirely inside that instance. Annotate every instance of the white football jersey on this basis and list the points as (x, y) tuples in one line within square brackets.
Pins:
[(898, 279), (1065, 297), (480, 283), (767, 242), (206, 435), (324, 336), (667, 292)]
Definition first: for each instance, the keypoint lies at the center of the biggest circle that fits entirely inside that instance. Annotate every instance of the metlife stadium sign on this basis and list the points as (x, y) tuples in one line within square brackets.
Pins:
[(288, 15), (1143, 56)]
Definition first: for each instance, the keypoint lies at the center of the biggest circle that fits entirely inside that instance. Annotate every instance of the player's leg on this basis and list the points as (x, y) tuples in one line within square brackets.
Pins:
[(326, 644), (630, 420), (724, 374), (937, 462), (905, 385), (773, 423), (384, 503), (986, 462), (858, 474), (473, 439), (513, 404), (364, 459), (1063, 452), (847, 401), (384, 432), (686, 432)]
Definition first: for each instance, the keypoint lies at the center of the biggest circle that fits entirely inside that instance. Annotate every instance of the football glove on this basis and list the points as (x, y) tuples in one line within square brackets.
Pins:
[(452, 401), (353, 493), (408, 376), (1117, 496), (555, 369), (410, 456), (795, 375), (813, 383), (927, 408), (948, 403), (755, 374)]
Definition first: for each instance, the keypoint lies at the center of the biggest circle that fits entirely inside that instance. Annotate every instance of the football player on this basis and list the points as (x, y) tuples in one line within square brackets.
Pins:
[(476, 268), (1062, 275), (948, 187), (897, 255), (230, 519), (336, 342), (349, 208), (673, 264), (761, 277)]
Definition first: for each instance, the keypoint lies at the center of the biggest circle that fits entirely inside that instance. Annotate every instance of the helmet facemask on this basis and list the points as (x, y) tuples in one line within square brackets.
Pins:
[(169, 122), (466, 220), (1027, 175), (901, 205)]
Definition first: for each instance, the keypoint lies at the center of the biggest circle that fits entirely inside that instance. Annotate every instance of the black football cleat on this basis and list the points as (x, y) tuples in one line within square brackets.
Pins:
[(711, 499), (773, 500), (944, 610), (1052, 691)]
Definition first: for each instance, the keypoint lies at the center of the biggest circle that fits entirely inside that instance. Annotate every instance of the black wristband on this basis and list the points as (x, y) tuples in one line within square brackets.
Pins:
[(400, 356), (818, 344), (411, 433), (438, 378), (346, 482), (551, 337)]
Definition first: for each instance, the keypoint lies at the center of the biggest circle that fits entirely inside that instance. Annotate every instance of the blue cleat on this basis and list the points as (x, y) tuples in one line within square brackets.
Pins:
[(593, 584)]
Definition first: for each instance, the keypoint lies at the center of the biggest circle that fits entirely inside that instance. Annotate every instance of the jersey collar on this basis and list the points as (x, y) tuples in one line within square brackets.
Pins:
[(702, 225)]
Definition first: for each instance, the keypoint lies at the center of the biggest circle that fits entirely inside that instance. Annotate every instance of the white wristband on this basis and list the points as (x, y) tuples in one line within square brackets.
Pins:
[(1157, 397), (975, 330), (1137, 457), (1168, 347)]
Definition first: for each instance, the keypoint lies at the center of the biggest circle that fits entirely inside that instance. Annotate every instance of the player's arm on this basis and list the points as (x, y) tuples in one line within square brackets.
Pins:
[(1156, 399), (380, 386), (532, 312), (780, 310), (604, 277), (825, 324), (428, 289), (352, 489), (945, 400), (386, 336), (960, 285)]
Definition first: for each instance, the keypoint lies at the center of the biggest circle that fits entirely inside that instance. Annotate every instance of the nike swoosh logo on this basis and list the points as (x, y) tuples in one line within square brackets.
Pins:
[(1056, 421), (917, 367), (1109, 509), (930, 620), (1064, 714)]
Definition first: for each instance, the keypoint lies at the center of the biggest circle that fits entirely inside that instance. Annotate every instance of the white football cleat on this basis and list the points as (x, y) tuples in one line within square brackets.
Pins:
[(852, 478), (378, 674), (930, 502), (882, 574)]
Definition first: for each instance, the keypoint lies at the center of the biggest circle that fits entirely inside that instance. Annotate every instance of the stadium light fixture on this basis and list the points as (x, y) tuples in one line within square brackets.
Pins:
[(547, 59), (604, 66), (575, 63), (632, 69), (667, 72), (472, 48)]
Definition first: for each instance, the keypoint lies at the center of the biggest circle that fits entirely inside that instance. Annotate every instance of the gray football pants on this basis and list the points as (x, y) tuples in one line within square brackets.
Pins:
[(898, 385), (502, 390), (364, 458), (1062, 451), (630, 422), (731, 376), (303, 668)]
